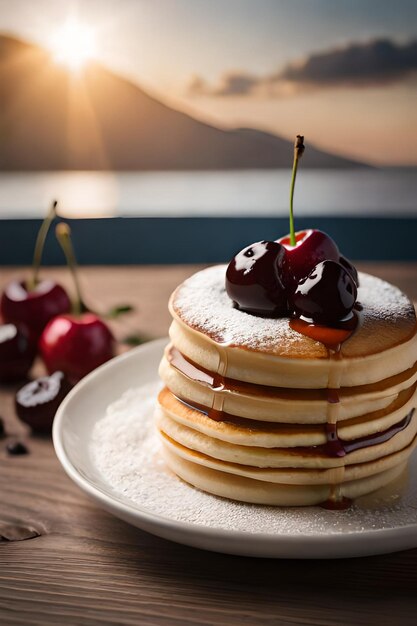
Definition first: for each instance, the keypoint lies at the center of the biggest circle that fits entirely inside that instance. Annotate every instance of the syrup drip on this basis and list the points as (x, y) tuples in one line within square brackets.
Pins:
[(337, 504), (332, 338), (334, 447), (196, 372), (216, 381), (191, 369), (244, 422), (340, 447), (219, 384)]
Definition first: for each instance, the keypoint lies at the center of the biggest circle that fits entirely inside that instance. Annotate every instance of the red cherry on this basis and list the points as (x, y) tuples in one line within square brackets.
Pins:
[(76, 345), (255, 279), (16, 353), (312, 247), (33, 308)]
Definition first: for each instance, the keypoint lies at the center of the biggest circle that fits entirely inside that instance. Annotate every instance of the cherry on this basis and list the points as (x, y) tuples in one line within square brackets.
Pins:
[(37, 402), (311, 247), (16, 448), (307, 247), (350, 268), (17, 353), (34, 302), (327, 295), (255, 279), (76, 344), (33, 307), (302, 273)]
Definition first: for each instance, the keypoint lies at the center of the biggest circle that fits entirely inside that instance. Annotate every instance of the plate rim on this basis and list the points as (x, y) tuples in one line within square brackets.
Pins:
[(124, 509)]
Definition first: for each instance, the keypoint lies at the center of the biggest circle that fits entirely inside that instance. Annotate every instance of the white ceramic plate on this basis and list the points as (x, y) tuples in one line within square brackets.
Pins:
[(131, 481)]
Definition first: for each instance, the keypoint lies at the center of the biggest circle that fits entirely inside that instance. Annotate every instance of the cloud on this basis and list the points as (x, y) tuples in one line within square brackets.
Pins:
[(380, 61), (231, 84)]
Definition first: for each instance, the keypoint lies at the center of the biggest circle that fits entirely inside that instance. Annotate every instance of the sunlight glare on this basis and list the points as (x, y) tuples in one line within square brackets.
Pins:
[(74, 44)]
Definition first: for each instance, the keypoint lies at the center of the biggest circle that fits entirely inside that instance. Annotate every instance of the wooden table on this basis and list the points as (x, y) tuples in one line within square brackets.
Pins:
[(85, 567)]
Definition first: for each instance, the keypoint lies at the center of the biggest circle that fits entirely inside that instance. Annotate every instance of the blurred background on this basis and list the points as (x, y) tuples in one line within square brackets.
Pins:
[(181, 114)]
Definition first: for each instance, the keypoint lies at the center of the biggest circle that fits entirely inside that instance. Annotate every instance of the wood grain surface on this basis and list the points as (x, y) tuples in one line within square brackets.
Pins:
[(65, 561)]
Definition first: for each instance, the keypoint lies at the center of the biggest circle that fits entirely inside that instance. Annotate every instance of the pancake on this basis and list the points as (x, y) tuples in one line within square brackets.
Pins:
[(242, 431), (292, 476), (211, 332), (283, 457), (260, 492), (277, 404), (256, 411)]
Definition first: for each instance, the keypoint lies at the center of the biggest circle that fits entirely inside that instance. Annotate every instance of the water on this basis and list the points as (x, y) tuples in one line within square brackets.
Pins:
[(224, 193)]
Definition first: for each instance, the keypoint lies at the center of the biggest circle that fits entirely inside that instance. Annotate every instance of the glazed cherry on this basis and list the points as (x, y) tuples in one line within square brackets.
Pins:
[(34, 307), (37, 402), (17, 353), (312, 247), (255, 279), (350, 268), (327, 295), (76, 344)]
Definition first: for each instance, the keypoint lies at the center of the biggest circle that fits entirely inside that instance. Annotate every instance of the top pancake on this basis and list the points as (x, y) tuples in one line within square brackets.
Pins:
[(202, 304)]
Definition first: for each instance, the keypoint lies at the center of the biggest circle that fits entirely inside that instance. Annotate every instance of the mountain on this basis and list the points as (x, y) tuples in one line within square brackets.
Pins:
[(51, 119)]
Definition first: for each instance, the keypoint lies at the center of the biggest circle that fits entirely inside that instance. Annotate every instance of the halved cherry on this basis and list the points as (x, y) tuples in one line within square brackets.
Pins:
[(37, 402)]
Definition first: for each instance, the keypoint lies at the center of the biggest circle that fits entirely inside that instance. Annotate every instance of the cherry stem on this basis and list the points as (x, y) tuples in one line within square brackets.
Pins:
[(63, 234), (40, 243), (298, 151)]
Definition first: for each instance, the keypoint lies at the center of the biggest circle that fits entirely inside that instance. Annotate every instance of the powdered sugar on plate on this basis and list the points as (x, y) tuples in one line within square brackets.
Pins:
[(125, 449)]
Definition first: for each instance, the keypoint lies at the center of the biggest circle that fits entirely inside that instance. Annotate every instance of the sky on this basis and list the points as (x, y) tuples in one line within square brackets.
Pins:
[(342, 73)]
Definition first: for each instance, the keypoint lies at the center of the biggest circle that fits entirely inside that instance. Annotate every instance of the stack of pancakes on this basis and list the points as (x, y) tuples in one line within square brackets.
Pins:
[(255, 411)]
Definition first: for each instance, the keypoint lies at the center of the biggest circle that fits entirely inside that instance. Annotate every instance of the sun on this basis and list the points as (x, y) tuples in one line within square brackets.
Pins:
[(73, 44)]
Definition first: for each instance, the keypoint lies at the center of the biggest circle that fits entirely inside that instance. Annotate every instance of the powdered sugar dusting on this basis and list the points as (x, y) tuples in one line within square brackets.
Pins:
[(126, 451), (202, 303)]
